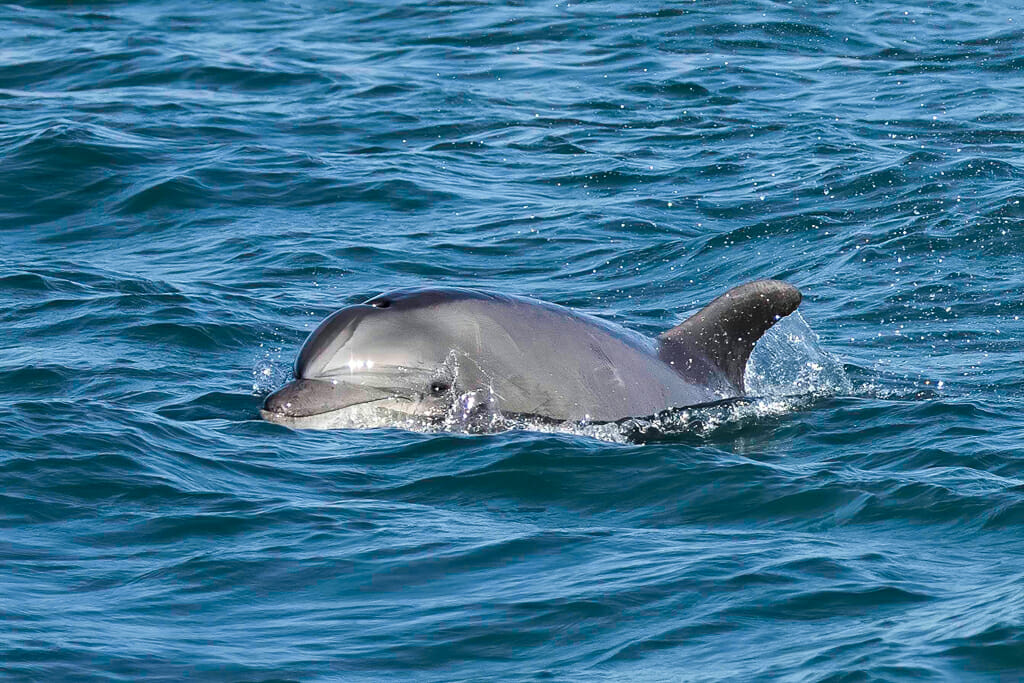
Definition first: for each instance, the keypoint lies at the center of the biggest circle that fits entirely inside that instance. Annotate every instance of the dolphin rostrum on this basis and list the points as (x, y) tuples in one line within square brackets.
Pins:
[(426, 353)]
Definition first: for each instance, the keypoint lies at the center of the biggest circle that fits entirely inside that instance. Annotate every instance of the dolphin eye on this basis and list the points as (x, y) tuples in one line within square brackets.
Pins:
[(437, 388), (381, 303)]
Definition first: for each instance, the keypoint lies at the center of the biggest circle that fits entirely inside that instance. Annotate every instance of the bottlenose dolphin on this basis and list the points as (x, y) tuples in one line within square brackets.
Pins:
[(428, 353)]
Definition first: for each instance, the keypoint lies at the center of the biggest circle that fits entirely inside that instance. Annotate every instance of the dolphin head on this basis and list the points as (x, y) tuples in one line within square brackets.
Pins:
[(397, 353)]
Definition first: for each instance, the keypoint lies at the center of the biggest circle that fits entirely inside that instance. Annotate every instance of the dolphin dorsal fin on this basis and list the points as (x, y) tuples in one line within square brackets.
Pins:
[(724, 332)]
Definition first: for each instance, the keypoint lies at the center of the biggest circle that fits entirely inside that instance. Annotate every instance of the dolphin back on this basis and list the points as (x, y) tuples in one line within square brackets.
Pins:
[(720, 337)]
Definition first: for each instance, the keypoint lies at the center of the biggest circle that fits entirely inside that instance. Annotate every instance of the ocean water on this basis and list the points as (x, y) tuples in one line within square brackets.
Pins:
[(187, 188)]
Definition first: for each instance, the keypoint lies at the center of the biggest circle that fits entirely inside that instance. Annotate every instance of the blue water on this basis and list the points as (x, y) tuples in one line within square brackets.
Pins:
[(187, 188)]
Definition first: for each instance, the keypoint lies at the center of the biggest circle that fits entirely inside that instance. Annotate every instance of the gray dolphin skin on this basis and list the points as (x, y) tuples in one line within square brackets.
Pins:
[(426, 353)]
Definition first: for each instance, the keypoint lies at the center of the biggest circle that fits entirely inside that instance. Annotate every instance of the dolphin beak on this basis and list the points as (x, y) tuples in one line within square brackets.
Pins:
[(308, 397)]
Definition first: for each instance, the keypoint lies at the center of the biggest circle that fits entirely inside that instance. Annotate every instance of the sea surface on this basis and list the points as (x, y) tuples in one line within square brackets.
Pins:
[(188, 188)]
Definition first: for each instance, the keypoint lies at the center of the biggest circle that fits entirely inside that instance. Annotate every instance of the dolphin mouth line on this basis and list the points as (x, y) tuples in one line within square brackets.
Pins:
[(264, 413), (314, 398), (316, 420)]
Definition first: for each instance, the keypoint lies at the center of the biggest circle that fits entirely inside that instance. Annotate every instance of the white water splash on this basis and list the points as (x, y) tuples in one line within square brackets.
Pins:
[(789, 361), (269, 370)]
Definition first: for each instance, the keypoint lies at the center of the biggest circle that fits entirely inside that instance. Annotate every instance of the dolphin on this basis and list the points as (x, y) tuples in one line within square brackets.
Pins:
[(432, 353)]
